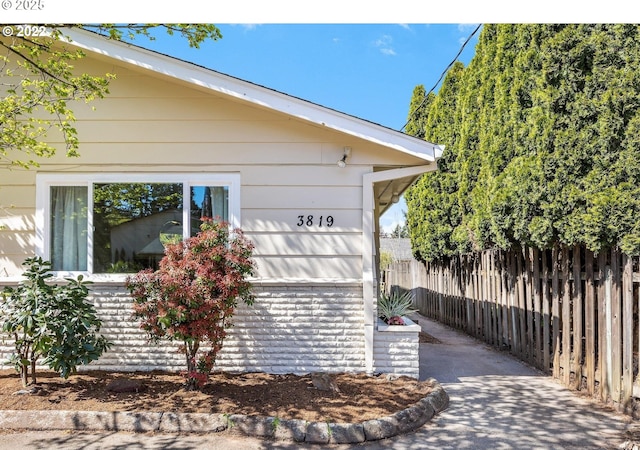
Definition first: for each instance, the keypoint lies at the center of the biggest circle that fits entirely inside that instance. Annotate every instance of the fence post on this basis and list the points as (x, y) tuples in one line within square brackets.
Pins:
[(578, 308), (468, 293), (522, 303), (513, 305), (526, 257), (616, 327), (537, 316), (440, 282), (477, 295)]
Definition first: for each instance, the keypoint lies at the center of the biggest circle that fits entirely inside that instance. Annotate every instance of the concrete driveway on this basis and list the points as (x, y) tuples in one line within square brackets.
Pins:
[(496, 402)]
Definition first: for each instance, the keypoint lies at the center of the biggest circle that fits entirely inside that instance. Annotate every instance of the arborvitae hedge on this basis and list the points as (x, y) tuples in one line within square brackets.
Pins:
[(542, 136)]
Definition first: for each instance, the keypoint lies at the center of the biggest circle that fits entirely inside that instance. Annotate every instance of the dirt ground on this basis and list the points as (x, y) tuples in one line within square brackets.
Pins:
[(359, 397), (285, 396)]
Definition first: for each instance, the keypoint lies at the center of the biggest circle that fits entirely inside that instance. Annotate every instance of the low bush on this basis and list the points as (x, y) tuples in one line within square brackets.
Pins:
[(50, 321)]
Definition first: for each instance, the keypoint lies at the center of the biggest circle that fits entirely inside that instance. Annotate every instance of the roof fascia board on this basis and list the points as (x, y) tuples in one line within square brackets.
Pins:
[(253, 93)]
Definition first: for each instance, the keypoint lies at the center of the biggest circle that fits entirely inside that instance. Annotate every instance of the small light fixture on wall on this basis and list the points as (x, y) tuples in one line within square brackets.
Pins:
[(395, 198), (342, 162)]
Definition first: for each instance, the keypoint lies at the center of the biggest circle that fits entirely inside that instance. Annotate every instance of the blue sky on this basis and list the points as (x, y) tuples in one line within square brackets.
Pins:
[(366, 70)]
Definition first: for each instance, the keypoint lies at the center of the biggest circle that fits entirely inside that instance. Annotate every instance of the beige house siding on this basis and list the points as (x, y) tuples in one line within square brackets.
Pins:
[(287, 169), (17, 219)]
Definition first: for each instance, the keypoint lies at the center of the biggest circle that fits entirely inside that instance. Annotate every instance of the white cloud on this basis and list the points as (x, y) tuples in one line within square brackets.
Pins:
[(384, 41), (466, 27), (246, 26), (384, 44)]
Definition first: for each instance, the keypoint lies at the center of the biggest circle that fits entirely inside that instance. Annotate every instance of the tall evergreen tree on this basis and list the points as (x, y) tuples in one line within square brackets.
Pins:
[(434, 211), (542, 144)]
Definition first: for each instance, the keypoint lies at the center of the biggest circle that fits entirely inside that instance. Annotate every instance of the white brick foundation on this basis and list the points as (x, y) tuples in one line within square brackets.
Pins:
[(291, 328)]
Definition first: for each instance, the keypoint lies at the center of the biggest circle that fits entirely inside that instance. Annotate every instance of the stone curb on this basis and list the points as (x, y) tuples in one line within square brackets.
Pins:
[(294, 430)]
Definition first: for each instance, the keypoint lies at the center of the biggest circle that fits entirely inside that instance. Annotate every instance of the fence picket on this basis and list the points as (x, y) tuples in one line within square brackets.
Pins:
[(555, 311), (513, 305), (590, 323), (616, 326), (627, 330), (566, 319), (537, 306), (602, 325), (546, 312), (529, 309), (578, 308)]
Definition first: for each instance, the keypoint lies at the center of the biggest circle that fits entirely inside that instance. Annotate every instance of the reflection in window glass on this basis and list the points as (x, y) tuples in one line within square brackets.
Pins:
[(132, 223), (109, 225), (208, 202)]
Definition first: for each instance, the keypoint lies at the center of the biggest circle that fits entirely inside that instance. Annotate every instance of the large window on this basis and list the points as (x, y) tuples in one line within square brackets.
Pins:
[(104, 223)]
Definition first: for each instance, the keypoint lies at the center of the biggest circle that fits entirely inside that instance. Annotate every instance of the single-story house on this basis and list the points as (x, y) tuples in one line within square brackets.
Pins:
[(174, 142)]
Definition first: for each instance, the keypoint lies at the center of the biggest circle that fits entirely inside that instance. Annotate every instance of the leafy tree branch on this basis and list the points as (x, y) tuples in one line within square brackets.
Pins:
[(39, 86)]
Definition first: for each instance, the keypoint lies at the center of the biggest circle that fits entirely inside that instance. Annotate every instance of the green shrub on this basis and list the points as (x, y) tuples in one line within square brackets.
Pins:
[(51, 321), (392, 307)]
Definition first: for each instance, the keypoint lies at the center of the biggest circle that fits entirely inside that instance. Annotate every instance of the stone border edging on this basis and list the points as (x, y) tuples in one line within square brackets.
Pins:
[(294, 430)]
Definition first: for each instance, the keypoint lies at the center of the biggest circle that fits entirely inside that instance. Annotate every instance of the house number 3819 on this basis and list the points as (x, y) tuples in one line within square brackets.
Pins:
[(320, 221)]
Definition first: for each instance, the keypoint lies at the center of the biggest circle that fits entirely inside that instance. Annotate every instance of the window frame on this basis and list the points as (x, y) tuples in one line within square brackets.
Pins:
[(44, 182)]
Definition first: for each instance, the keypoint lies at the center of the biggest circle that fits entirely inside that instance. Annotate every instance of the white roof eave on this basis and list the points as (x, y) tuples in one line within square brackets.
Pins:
[(253, 93)]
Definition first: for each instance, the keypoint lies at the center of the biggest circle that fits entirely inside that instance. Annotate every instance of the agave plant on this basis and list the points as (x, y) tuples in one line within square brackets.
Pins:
[(391, 307)]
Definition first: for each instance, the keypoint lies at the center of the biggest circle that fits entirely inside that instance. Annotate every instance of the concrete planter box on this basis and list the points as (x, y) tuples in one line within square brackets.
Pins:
[(396, 348), (409, 326)]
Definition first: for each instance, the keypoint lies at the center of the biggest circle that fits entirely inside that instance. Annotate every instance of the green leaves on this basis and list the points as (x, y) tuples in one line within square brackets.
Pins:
[(193, 295), (195, 34), (545, 144), (40, 87), (395, 305), (51, 321)]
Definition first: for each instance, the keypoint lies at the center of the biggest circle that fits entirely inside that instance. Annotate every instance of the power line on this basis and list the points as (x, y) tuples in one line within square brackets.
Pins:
[(444, 72)]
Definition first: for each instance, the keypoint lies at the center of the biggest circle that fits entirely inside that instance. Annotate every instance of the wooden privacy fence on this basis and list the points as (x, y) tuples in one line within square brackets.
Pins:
[(567, 311)]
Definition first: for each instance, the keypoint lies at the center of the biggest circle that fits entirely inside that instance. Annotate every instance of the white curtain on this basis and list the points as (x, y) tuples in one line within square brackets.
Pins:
[(215, 203), (220, 202), (69, 227)]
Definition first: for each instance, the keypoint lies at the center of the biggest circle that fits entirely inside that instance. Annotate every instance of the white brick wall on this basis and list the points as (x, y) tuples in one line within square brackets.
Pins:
[(396, 349), (289, 329)]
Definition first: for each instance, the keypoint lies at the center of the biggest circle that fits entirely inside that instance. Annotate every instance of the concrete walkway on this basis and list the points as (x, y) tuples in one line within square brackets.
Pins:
[(496, 402)]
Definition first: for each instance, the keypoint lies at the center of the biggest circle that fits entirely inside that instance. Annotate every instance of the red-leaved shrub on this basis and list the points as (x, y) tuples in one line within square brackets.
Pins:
[(193, 295)]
